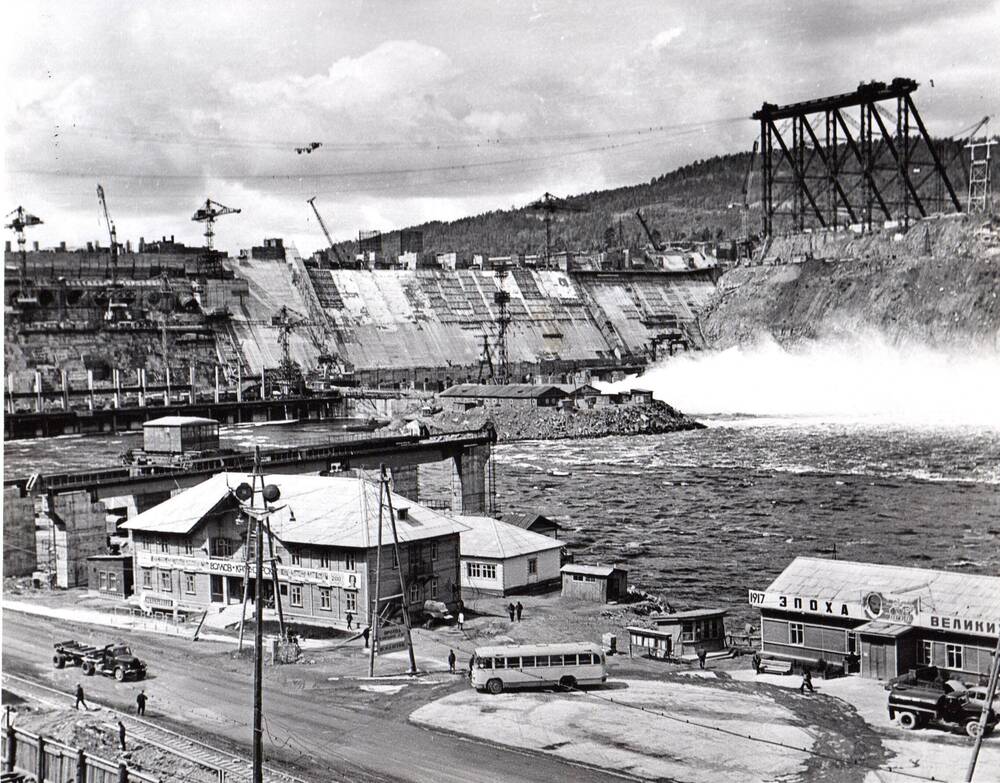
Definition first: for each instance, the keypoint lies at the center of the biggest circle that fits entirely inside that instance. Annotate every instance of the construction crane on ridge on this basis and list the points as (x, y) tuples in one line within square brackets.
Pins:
[(656, 243), (548, 205), (21, 221), (111, 232), (208, 215), (322, 225)]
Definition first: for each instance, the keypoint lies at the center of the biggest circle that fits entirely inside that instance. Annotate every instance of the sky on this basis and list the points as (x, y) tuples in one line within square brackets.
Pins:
[(426, 110)]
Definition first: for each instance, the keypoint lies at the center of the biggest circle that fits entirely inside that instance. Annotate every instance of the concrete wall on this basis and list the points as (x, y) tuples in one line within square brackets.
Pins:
[(80, 530), (19, 554)]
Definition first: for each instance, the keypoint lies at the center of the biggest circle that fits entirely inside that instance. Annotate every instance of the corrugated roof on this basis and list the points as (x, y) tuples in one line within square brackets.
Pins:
[(590, 570), (174, 421), (525, 520), (489, 537), (520, 391), (943, 593), (328, 510)]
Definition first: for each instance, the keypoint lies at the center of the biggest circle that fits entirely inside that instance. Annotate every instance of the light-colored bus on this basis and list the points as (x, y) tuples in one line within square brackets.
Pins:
[(537, 665)]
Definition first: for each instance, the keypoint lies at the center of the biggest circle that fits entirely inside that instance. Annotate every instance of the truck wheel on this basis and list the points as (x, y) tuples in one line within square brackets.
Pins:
[(495, 686), (567, 683), (141, 676), (88, 668), (908, 720), (59, 661), (972, 728), (119, 674)]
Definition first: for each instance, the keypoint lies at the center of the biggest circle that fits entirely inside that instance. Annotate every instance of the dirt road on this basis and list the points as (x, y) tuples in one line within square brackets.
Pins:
[(315, 726)]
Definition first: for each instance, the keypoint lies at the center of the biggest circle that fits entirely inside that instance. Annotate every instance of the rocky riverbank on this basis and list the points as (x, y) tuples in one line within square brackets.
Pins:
[(524, 423)]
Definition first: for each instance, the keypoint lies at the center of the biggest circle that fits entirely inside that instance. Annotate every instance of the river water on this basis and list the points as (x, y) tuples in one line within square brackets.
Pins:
[(702, 516)]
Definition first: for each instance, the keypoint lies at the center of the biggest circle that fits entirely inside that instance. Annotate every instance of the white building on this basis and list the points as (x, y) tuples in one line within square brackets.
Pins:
[(499, 559)]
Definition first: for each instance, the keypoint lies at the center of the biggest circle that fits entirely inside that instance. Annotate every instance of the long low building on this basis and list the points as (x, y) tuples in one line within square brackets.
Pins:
[(191, 550), (499, 558), (883, 620)]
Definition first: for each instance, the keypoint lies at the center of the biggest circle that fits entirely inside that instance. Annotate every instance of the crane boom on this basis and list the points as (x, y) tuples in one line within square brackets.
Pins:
[(111, 232), (652, 239), (326, 231)]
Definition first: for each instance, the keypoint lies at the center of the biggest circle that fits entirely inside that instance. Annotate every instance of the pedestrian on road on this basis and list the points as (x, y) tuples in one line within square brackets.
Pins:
[(461, 620), (140, 703), (79, 698), (755, 662), (350, 619), (451, 661), (472, 664), (121, 734), (807, 681), (366, 633), (519, 609), (702, 654), (511, 610)]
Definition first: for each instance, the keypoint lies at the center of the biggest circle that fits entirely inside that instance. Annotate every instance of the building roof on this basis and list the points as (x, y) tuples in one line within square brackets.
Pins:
[(943, 593), (690, 614), (327, 510), (489, 537), (519, 391), (883, 628), (177, 421), (525, 520), (590, 570), (538, 649), (577, 388)]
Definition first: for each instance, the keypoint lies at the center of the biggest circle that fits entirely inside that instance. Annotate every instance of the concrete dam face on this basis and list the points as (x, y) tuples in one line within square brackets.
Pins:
[(395, 320)]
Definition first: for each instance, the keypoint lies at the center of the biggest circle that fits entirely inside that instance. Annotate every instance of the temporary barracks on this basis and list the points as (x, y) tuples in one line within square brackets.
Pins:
[(883, 620), (191, 550)]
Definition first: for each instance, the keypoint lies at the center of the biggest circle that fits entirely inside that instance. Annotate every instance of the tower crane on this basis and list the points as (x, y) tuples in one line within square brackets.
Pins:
[(112, 233), (288, 371), (208, 215), (326, 232), (501, 372), (548, 205), (22, 220)]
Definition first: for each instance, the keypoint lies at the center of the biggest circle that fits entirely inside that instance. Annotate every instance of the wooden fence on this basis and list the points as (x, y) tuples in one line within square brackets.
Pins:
[(47, 761)]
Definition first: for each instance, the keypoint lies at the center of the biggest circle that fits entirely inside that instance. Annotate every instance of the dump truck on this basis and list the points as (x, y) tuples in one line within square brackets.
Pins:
[(916, 707), (111, 660)]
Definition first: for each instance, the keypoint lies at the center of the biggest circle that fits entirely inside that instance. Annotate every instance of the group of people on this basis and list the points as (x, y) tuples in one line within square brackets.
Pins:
[(140, 709), (514, 610)]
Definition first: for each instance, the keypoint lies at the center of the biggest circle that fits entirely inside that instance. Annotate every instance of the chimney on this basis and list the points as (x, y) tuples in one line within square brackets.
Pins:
[(128, 245), (402, 513), (6, 246), (34, 246), (90, 247), (62, 245), (142, 244), (171, 239)]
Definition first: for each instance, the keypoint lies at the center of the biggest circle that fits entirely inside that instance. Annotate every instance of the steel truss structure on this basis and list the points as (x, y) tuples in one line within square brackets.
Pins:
[(826, 175)]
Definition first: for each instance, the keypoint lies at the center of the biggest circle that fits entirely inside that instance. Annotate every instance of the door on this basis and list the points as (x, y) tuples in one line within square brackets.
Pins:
[(215, 585), (235, 587), (877, 659)]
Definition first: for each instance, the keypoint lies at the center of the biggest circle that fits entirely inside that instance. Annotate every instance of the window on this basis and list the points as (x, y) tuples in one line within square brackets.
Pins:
[(189, 583), (852, 643), (325, 600), (147, 578), (296, 558), (103, 578), (532, 565), (112, 581), (166, 584), (432, 588), (687, 630), (163, 545), (324, 559), (555, 660), (434, 550), (513, 662), (221, 547), (295, 595), (414, 593), (527, 661), (541, 660), (351, 561), (481, 570), (925, 652), (954, 653), (350, 602), (795, 634), (584, 578), (188, 548)]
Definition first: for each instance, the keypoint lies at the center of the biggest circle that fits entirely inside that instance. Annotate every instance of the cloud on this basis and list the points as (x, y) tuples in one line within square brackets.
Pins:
[(663, 39)]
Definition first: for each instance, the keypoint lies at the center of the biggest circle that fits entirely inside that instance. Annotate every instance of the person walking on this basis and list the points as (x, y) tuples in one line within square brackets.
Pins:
[(451, 661), (518, 609), (121, 734), (702, 654), (365, 634), (755, 662), (350, 619), (140, 703), (510, 611), (807, 681), (79, 698), (461, 621)]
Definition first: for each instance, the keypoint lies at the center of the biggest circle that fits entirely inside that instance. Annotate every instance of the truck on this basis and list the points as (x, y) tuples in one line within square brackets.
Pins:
[(111, 660), (915, 707)]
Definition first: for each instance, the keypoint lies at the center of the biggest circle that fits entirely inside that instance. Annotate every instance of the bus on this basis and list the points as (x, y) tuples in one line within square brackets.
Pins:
[(538, 665)]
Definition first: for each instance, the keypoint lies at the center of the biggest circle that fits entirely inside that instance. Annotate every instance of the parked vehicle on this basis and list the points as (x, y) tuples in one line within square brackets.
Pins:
[(915, 707), (112, 660), (538, 665)]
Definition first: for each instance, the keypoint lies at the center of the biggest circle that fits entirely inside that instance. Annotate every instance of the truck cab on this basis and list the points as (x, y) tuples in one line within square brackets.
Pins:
[(916, 707)]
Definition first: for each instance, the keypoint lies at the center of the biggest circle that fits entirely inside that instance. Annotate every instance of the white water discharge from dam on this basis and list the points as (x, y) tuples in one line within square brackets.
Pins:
[(860, 379)]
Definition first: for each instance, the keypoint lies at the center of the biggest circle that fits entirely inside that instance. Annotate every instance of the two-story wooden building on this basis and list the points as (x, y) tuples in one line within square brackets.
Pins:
[(191, 550), (882, 620)]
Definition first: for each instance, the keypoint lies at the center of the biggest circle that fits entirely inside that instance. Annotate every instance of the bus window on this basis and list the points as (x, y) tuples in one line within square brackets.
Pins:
[(527, 661), (555, 660), (569, 659), (585, 659), (484, 663), (513, 662), (541, 660)]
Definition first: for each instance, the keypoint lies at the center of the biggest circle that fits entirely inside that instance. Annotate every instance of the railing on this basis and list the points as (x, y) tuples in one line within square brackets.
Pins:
[(50, 761)]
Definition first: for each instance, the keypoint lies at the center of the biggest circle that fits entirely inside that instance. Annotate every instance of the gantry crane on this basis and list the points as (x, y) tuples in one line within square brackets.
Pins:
[(289, 372), (208, 215), (548, 205), (21, 221), (322, 225), (112, 233)]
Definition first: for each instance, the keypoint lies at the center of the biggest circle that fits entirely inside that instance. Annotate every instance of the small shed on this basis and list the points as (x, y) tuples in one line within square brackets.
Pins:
[(689, 630), (110, 575), (536, 523), (180, 434), (594, 582)]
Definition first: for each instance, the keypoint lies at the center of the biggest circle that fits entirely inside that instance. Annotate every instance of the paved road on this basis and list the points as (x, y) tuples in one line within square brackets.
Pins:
[(316, 726)]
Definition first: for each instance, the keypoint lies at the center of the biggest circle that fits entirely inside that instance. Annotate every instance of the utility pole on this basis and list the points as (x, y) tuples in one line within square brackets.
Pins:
[(990, 693), (274, 578), (399, 563), (374, 613)]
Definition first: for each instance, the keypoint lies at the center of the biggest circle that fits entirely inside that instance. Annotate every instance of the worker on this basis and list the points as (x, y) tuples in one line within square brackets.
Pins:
[(510, 611), (121, 734), (79, 698), (365, 634), (350, 619), (140, 703), (807, 681), (755, 662), (461, 620), (451, 661), (518, 609), (702, 653)]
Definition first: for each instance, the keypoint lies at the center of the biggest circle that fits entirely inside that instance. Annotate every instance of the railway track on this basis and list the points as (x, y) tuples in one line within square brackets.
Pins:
[(228, 767)]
